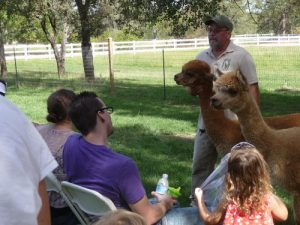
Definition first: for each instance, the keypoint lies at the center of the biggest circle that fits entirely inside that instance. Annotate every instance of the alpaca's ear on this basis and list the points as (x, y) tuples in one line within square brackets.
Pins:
[(243, 81)]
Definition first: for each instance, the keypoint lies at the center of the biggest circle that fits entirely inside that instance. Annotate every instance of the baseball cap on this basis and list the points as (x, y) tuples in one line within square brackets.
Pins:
[(221, 21)]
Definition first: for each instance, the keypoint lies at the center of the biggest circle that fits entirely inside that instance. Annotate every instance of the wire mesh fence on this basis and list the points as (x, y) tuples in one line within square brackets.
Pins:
[(277, 67)]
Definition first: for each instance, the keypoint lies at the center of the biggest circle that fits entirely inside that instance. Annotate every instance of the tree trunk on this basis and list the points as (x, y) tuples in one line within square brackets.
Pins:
[(2, 55), (61, 59), (86, 48), (59, 55), (284, 22), (87, 58)]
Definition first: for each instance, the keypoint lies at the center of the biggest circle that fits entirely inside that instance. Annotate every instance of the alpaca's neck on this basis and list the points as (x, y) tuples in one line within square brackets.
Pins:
[(253, 126), (210, 115), (214, 120)]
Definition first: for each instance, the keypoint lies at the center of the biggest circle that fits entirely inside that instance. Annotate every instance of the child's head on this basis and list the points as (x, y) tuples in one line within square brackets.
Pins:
[(247, 178), (121, 217)]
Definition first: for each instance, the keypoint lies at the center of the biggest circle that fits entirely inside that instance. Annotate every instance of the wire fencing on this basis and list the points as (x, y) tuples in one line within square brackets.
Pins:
[(155, 62)]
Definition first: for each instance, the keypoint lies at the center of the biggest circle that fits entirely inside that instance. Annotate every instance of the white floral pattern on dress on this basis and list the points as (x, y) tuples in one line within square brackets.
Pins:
[(234, 216)]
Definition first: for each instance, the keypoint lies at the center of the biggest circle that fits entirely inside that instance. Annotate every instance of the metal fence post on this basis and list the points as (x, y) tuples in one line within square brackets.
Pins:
[(164, 72), (16, 68)]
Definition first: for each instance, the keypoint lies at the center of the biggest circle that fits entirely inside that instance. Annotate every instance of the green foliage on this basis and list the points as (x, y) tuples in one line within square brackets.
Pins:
[(116, 35), (181, 15), (279, 17), (243, 19)]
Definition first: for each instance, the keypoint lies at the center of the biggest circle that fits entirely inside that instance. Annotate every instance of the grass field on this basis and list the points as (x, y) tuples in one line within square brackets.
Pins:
[(152, 124)]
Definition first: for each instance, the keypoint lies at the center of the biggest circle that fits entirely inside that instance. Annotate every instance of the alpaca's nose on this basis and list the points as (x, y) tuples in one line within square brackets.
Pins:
[(175, 76)]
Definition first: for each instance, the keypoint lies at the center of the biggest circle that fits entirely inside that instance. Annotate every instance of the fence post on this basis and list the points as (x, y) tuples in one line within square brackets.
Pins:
[(26, 52), (154, 44), (133, 47), (72, 50), (49, 51), (164, 72), (93, 48), (16, 68), (111, 70)]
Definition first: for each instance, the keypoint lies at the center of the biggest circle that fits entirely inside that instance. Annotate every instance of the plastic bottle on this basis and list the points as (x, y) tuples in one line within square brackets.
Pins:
[(163, 185)]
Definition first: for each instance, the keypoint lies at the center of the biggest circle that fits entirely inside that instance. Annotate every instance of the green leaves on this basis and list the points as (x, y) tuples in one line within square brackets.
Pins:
[(182, 15)]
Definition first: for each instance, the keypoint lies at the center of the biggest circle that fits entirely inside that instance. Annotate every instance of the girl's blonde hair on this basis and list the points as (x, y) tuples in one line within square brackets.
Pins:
[(247, 181), (121, 217)]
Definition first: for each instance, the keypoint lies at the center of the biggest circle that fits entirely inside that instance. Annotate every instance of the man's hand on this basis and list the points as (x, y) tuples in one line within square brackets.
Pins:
[(167, 200)]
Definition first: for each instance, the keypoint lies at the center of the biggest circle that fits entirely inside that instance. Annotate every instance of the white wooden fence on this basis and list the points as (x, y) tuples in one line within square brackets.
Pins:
[(23, 51)]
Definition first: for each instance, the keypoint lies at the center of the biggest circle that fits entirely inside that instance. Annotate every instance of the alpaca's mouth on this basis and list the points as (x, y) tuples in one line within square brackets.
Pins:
[(215, 104), (178, 79)]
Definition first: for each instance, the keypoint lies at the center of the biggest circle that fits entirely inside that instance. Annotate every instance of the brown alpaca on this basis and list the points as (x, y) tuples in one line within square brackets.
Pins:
[(280, 148), (223, 132)]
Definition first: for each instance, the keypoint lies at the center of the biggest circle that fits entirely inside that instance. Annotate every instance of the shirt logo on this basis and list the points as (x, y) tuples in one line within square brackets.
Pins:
[(226, 64)]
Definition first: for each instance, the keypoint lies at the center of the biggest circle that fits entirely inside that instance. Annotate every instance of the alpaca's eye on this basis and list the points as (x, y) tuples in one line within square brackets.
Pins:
[(232, 92), (188, 74)]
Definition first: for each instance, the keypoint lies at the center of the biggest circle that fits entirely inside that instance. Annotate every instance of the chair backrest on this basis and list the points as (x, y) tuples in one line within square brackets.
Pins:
[(53, 184), (89, 201)]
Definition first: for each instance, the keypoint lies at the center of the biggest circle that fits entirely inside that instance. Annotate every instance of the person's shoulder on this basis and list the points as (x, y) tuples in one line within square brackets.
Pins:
[(42, 127), (73, 137), (201, 55), (123, 157), (238, 48), (12, 116), (8, 106)]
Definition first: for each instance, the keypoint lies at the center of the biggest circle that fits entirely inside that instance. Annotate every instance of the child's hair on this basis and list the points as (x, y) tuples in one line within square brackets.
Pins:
[(247, 181), (121, 217)]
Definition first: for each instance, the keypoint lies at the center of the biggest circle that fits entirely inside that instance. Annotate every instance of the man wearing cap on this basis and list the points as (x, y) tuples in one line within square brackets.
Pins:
[(222, 56)]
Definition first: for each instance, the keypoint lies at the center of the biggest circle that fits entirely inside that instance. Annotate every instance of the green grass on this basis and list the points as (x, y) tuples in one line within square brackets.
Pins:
[(157, 131)]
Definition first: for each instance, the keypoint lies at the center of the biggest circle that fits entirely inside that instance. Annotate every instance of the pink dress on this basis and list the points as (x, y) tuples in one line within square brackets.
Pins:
[(262, 216)]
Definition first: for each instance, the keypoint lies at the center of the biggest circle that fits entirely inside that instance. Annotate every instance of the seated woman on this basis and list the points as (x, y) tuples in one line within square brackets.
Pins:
[(55, 133)]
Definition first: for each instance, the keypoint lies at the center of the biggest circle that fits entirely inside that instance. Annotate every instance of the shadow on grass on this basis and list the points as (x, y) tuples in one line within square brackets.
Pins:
[(279, 103), (156, 154), (129, 99)]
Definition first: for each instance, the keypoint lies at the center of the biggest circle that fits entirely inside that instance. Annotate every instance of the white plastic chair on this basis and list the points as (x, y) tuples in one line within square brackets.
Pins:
[(87, 200), (53, 184)]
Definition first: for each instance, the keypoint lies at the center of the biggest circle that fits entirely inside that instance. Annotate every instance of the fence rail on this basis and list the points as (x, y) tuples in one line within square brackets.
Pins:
[(22, 51)]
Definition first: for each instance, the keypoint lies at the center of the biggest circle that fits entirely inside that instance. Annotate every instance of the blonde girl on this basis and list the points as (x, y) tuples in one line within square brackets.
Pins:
[(248, 197), (121, 217)]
